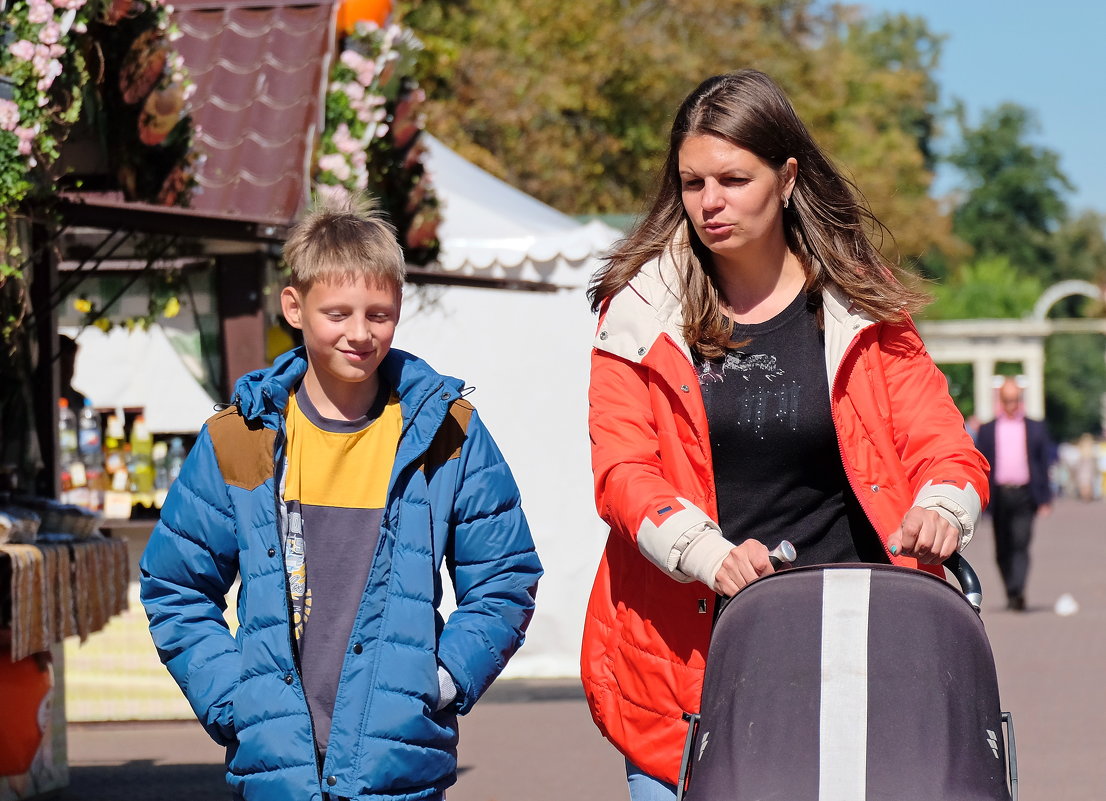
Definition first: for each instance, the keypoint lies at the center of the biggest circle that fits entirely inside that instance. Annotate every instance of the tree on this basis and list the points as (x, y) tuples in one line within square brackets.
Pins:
[(572, 102), (1014, 201), (873, 103), (1080, 247), (1075, 377), (988, 287)]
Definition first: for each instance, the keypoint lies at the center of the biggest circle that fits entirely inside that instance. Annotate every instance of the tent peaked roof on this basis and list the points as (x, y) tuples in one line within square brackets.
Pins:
[(490, 227)]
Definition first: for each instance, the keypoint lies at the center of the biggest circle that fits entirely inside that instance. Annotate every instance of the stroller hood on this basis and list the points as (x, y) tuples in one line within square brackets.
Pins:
[(846, 683)]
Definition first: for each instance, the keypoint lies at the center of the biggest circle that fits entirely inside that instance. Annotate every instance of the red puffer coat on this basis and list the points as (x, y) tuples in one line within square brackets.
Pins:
[(648, 624)]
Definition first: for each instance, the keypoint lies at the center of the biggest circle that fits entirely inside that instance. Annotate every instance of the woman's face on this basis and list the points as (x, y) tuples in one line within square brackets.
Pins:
[(732, 197)]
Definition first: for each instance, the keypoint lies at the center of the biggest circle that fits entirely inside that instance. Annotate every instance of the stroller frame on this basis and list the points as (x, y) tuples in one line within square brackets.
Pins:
[(844, 764)]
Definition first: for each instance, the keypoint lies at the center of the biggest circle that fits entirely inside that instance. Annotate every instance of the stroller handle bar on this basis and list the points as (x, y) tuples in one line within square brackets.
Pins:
[(967, 578), (784, 554)]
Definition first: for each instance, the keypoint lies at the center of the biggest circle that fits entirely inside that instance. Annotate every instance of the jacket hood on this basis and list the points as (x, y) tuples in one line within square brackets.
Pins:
[(649, 306), (264, 393)]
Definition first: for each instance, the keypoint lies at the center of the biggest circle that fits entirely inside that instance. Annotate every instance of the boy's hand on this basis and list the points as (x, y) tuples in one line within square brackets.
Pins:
[(744, 564), (926, 536)]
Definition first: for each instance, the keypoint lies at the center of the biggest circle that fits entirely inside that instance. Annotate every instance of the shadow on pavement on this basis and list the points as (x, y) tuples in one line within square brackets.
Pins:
[(142, 779)]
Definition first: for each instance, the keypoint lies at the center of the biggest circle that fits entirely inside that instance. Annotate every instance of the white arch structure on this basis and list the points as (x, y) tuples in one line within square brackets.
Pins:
[(984, 343)]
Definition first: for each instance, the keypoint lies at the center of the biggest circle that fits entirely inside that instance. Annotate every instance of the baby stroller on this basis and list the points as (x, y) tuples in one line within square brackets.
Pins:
[(851, 683)]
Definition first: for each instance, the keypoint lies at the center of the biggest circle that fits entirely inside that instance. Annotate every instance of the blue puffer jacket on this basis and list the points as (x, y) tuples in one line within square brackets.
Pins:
[(451, 496)]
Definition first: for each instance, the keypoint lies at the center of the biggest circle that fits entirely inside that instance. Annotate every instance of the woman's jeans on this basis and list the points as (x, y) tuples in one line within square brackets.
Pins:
[(644, 787)]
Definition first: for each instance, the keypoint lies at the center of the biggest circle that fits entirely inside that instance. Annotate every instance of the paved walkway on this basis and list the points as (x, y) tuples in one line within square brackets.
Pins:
[(534, 741)]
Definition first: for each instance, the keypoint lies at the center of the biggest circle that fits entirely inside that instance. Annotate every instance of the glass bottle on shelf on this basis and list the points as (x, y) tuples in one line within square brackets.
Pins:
[(161, 472), (90, 446), (142, 457), (70, 468), (114, 438), (177, 453)]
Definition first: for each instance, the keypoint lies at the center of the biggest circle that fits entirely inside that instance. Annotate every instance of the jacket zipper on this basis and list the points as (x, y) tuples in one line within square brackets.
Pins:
[(849, 475), (278, 445)]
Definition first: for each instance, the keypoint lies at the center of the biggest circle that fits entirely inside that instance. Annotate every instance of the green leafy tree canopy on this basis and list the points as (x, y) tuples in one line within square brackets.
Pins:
[(572, 102), (1015, 197)]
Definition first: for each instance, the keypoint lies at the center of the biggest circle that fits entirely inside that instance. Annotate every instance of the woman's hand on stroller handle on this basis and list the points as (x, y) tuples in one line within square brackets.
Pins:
[(749, 561), (925, 535)]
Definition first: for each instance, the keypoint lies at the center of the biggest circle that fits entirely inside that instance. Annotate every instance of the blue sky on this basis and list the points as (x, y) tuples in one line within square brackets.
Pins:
[(1049, 57)]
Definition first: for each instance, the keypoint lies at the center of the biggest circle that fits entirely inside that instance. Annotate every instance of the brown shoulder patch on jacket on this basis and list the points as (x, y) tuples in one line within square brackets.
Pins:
[(243, 448), (450, 437)]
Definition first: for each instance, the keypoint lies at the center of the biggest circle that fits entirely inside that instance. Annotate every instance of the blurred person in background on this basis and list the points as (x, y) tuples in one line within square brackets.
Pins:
[(1019, 450)]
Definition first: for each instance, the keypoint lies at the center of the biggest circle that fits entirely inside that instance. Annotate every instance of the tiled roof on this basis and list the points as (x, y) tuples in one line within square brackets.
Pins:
[(260, 72)]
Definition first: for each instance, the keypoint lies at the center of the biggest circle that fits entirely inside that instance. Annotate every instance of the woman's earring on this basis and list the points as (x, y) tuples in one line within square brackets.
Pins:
[(786, 201)]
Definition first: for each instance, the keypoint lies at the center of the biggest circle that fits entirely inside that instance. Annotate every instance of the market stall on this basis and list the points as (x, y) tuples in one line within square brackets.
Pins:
[(60, 577)]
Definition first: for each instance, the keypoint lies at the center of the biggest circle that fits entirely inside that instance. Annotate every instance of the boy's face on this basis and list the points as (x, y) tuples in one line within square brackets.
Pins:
[(347, 327)]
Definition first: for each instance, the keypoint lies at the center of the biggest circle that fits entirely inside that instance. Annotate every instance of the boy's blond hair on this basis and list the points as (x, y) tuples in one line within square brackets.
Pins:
[(344, 241)]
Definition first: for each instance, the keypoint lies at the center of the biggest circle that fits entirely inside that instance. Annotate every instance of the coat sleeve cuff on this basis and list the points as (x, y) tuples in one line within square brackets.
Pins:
[(685, 544), (704, 554), (960, 506)]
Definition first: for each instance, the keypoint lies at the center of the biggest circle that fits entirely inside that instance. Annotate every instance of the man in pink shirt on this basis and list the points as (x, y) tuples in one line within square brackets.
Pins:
[(1019, 451)]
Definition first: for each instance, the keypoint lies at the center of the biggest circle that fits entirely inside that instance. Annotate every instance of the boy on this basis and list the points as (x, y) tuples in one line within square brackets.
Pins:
[(334, 486)]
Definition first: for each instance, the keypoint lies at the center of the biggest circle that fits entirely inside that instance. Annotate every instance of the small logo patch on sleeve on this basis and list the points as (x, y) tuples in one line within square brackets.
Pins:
[(657, 516)]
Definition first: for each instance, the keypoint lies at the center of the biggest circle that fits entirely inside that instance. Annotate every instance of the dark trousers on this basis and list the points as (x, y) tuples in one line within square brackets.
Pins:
[(1013, 510)]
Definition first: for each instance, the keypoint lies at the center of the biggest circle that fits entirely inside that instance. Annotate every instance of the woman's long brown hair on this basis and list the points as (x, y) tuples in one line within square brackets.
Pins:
[(826, 225)]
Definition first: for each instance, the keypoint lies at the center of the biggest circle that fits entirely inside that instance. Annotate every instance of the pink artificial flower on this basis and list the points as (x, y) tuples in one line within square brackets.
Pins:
[(40, 11), (352, 59), (9, 115), (53, 70), (354, 91), (23, 50), (344, 141), (43, 55), (26, 138), (336, 165), (50, 33), (332, 194)]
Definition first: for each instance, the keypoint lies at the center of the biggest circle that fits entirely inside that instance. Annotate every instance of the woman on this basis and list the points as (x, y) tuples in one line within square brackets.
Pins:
[(755, 377)]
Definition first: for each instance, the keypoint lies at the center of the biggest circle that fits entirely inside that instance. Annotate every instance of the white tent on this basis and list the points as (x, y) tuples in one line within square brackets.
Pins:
[(526, 355), (490, 228), (139, 369)]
